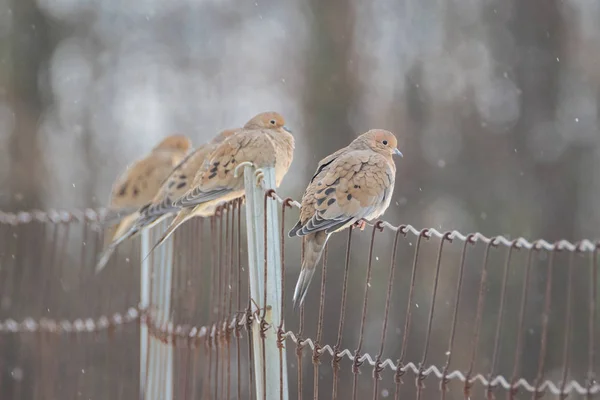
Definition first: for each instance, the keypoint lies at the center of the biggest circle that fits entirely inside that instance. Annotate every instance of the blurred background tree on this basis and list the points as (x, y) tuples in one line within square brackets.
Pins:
[(495, 102)]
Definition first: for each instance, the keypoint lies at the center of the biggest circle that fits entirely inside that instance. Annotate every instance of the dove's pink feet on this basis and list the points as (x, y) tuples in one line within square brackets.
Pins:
[(362, 224)]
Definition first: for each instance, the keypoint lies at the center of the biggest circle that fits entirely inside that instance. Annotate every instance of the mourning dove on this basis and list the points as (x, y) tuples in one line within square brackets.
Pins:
[(176, 184), (139, 184), (264, 141), (352, 184), (179, 182)]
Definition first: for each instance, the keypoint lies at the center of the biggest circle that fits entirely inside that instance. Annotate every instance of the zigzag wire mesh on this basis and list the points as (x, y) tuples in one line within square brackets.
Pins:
[(393, 312)]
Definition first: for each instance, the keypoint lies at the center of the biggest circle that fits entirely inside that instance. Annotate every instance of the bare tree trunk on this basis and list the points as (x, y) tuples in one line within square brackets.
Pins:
[(329, 95), (28, 48), (330, 89)]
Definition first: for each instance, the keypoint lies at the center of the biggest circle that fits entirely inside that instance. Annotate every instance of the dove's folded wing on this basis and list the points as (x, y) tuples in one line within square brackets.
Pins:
[(217, 177), (353, 188)]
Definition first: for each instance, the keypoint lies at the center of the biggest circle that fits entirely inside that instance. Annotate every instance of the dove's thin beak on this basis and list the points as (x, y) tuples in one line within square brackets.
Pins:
[(398, 153), (287, 129)]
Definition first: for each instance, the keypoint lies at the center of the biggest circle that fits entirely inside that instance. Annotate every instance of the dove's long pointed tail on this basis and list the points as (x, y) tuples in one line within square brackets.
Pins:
[(125, 230), (314, 244), (104, 257), (181, 217)]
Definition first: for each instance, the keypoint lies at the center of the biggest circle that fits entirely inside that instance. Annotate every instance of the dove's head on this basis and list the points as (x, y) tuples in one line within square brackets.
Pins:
[(267, 120), (175, 143), (224, 135), (381, 141)]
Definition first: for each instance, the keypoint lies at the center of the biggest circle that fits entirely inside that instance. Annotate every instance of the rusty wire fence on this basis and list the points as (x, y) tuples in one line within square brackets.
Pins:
[(393, 312)]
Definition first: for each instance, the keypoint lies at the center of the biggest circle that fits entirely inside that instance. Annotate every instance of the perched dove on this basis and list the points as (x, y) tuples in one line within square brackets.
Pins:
[(350, 185), (175, 185), (179, 182), (139, 184), (264, 141)]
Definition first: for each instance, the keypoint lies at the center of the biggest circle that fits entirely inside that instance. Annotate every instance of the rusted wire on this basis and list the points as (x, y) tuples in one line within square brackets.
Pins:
[(420, 377), (212, 307), (497, 335), (228, 289), (584, 245), (238, 321), (204, 344), (280, 329), (317, 349), (400, 364), (356, 362), (219, 348), (226, 316), (249, 319), (517, 360), (263, 323), (168, 332), (566, 360), (594, 282), (545, 318), (216, 331), (377, 369), (299, 348), (79, 325), (335, 361), (53, 216), (478, 316)]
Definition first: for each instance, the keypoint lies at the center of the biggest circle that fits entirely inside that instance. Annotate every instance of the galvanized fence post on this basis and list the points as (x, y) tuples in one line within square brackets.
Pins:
[(156, 358), (267, 370)]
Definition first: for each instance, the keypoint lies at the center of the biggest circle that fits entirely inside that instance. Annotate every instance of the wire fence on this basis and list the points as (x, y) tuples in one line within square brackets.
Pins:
[(393, 312)]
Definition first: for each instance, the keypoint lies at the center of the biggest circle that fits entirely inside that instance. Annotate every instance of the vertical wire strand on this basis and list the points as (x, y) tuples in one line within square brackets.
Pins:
[(518, 349), (45, 277), (199, 268), (317, 344), (4, 271), (591, 378), (3, 297), (400, 363), (300, 340), (54, 340), (568, 328), (420, 375), (335, 362), (249, 322), (498, 334), (377, 368), (79, 386), (478, 316), (179, 310), (357, 363), (239, 297), (211, 309), (220, 367), (37, 263), (280, 328), (190, 259), (459, 282), (228, 290), (263, 323), (46, 273), (544, 337)]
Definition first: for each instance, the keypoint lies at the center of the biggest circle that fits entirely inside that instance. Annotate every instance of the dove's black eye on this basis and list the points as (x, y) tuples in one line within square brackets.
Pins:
[(272, 122), (385, 142)]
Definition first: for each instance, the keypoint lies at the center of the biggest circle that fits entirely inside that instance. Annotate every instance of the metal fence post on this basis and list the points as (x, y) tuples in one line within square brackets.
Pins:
[(156, 358), (144, 303), (268, 371)]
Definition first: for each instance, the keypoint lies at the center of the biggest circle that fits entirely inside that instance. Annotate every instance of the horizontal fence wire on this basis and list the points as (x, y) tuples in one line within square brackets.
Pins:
[(474, 314), (53, 216)]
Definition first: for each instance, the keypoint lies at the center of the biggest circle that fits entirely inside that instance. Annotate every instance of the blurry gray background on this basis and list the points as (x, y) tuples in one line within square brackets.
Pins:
[(494, 102)]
